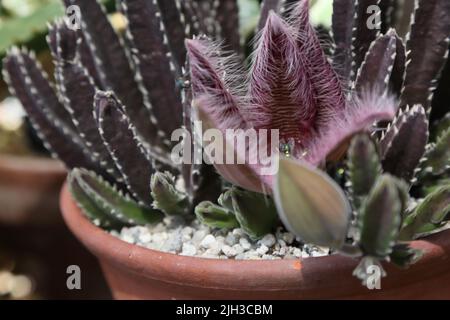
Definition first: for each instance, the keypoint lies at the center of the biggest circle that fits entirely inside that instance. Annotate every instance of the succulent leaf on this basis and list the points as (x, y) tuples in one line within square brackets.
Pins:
[(77, 90), (429, 215), (60, 139), (430, 29), (362, 34), (442, 95), (106, 46), (404, 143), (97, 214), (342, 26), (430, 187), (403, 192), (228, 19), (364, 167), (174, 24), (165, 195), (88, 61), (255, 212), (380, 218), (115, 204), (225, 200), (42, 87), (119, 138), (376, 70), (60, 39), (404, 256), (192, 17), (438, 156), (201, 181), (441, 126), (157, 71), (311, 205), (399, 69), (215, 216), (202, 17)]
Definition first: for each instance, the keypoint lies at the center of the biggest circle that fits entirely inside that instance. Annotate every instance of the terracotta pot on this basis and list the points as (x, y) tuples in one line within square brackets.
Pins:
[(29, 187), (138, 273)]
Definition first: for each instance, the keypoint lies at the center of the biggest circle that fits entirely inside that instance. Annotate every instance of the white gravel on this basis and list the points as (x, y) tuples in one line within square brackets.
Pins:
[(197, 240)]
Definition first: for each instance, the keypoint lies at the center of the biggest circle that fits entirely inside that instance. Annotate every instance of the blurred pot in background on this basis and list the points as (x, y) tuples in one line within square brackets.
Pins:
[(31, 227), (29, 179)]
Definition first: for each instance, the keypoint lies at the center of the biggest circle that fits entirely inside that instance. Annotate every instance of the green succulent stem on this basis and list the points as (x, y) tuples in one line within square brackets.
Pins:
[(165, 195), (216, 216)]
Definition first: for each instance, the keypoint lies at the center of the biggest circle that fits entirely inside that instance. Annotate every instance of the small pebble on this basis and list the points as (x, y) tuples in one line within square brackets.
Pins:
[(239, 249), (282, 243), (231, 239), (208, 242), (229, 251), (212, 252), (245, 243), (239, 232), (173, 235), (220, 240), (188, 231), (288, 237), (145, 237), (198, 236), (268, 240), (297, 253), (262, 250), (174, 242)]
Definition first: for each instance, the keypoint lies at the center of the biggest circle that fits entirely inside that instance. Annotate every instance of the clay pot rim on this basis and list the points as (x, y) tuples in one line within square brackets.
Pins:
[(325, 273), (36, 165)]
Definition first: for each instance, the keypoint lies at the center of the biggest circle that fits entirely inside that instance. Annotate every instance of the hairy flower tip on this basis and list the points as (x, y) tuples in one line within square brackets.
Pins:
[(361, 114), (214, 70), (371, 106), (209, 74), (282, 96), (329, 93)]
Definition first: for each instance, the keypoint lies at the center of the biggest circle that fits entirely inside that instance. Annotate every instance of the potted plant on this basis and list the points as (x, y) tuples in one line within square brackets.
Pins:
[(358, 181), (29, 178)]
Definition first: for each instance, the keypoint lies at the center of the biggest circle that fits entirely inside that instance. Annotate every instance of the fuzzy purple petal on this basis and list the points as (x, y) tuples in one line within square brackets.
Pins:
[(282, 96), (328, 92), (240, 172), (360, 115), (207, 67)]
